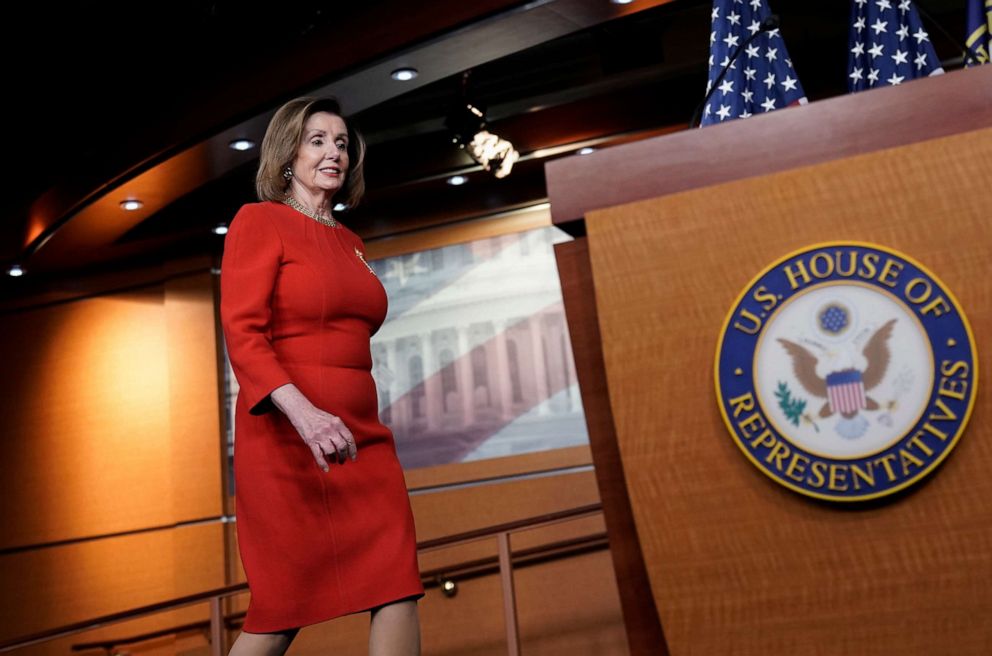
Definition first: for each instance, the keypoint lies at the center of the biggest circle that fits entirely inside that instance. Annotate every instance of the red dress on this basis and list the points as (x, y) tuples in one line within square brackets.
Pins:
[(299, 305)]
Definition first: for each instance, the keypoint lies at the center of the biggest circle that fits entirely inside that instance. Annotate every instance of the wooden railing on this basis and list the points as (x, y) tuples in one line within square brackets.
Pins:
[(503, 564)]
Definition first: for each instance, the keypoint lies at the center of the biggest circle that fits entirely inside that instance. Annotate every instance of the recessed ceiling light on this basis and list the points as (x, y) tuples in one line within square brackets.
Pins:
[(586, 150), (15, 270), (131, 204), (404, 74), (340, 207), (220, 229), (621, 2), (457, 180), (242, 144)]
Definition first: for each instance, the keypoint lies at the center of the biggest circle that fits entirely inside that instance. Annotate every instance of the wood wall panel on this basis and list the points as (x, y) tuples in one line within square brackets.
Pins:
[(737, 563), (564, 607), (112, 414), (112, 438), (471, 508), (197, 453), (86, 405), (191, 642), (45, 588), (492, 468)]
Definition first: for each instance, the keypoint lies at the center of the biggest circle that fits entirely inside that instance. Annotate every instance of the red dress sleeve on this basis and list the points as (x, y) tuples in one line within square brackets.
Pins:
[(252, 253)]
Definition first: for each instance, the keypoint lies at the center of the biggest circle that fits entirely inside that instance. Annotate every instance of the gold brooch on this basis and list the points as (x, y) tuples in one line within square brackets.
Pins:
[(362, 258)]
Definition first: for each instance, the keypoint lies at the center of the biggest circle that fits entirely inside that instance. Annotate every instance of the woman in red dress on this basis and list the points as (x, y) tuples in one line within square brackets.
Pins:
[(324, 522)]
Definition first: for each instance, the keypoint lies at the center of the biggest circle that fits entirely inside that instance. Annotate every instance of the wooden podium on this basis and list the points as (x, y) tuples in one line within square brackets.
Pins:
[(712, 557)]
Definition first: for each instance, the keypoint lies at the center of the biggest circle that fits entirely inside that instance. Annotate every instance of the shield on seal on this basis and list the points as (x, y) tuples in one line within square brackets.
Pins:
[(846, 391)]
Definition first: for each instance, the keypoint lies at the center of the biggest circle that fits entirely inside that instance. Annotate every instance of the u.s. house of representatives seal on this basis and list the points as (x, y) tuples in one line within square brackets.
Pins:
[(846, 371)]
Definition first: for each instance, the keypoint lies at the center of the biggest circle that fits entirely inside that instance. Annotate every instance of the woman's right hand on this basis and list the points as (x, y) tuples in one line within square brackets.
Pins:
[(321, 431)]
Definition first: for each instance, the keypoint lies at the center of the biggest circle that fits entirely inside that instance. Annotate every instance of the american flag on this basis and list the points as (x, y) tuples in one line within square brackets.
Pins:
[(762, 78), (888, 45), (978, 32)]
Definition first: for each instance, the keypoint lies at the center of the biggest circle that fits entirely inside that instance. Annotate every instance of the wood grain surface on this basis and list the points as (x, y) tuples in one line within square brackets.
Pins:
[(644, 631), (738, 564)]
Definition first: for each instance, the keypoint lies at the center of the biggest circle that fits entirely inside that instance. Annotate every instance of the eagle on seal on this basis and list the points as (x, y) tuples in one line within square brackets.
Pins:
[(844, 389)]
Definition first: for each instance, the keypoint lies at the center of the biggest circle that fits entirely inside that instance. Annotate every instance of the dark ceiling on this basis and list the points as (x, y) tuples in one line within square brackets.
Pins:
[(101, 91)]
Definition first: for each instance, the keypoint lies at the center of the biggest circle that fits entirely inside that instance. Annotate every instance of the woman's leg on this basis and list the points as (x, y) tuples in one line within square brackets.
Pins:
[(263, 644), (395, 630)]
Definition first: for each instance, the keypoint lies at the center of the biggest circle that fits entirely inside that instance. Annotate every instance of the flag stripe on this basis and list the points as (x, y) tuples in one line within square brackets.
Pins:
[(847, 397)]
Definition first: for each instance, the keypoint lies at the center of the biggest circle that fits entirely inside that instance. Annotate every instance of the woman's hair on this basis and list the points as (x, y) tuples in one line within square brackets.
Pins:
[(282, 142)]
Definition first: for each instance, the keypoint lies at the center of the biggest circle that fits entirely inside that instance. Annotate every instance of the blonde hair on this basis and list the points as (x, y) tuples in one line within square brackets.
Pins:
[(282, 142)]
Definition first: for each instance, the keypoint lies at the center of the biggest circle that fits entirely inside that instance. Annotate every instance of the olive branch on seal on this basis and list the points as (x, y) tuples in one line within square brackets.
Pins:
[(793, 408)]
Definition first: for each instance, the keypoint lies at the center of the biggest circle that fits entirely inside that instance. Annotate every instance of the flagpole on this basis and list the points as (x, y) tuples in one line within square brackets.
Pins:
[(956, 41)]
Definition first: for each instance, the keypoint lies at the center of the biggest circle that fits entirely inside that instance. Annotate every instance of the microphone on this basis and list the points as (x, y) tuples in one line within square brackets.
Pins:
[(770, 23)]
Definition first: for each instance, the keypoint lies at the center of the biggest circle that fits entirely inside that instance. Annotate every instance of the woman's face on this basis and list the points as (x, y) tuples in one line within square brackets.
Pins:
[(321, 162)]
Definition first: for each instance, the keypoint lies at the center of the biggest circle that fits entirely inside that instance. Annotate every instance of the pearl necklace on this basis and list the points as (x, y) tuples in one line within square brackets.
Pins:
[(302, 209)]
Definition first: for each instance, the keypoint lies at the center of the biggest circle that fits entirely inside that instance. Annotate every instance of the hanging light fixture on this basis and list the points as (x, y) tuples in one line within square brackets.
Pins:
[(467, 123), (493, 152)]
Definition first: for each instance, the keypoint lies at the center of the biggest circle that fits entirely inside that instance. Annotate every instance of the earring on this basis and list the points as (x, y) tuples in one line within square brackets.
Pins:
[(287, 173)]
